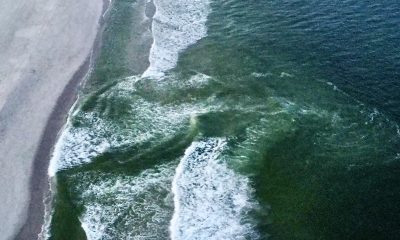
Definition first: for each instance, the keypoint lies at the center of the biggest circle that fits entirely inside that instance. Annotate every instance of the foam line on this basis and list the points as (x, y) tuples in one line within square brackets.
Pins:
[(126, 207), (210, 200), (176, 25)]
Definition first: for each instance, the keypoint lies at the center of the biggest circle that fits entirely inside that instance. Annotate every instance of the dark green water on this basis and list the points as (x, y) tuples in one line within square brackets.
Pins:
[(280, 123)]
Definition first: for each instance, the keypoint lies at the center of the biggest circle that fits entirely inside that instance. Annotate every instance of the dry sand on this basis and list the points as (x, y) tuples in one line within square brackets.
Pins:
[(42, 45)]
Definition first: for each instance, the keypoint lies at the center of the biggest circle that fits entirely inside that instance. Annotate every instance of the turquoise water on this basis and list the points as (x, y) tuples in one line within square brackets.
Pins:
[(253, 120)]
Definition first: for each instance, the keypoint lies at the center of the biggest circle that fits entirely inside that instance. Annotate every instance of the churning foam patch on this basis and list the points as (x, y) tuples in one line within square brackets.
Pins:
[(211, 201), (126, 207), (176, 25), (77, 146), (147, 121), (260, 75)]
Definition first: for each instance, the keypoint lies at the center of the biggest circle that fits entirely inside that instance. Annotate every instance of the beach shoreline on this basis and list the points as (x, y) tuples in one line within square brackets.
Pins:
[(46, 57), (43, 185), (39, 183)]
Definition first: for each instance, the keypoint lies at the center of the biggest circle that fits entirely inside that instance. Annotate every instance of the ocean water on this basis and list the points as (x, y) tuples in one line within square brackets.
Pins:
[(247, 120)]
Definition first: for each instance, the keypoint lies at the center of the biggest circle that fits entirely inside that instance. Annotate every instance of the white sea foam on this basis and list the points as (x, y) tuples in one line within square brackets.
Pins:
[(211, 201), (78, 145), (197, 80), (59, 146), (146, 121), (175, 81), (176, 25), (259, 75), (126, 207), (48, 215), (285, 74)]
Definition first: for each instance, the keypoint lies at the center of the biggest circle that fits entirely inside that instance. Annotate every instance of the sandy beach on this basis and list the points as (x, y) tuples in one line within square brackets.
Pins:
[(44, 50)]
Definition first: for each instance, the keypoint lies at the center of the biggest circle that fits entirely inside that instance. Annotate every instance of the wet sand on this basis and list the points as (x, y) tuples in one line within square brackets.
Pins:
[(44, 49)]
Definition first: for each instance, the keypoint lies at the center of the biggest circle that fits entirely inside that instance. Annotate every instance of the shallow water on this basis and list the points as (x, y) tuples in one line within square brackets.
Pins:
[(254, 120)]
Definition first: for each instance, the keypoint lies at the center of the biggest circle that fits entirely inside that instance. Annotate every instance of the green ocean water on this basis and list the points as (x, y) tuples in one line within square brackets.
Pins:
[(279, 123)]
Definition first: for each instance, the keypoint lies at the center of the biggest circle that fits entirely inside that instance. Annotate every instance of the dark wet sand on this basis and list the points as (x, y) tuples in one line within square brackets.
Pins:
[(39, 55), (39, 185)]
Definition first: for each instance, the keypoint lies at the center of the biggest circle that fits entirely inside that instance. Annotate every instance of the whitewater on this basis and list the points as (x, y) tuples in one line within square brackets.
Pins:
[(210, 200), (202, 198)]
